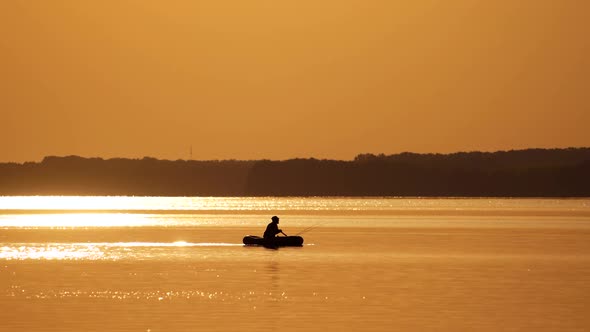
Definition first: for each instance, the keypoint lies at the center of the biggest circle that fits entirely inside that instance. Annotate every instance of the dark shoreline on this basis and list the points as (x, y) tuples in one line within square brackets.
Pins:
[(541, 173)]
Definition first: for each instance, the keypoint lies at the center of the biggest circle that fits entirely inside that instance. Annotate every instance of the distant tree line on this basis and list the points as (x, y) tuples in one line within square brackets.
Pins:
[(74, 175), (522, 173)]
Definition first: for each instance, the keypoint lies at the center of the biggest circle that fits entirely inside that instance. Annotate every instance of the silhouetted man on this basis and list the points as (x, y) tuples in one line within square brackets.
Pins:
[(272, 229)]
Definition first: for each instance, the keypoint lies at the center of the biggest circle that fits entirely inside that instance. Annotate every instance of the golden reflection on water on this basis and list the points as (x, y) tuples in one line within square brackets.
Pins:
[(51, 252), (77, 202), (190, 272), (300, 204), (64, 220), (414, 279), (111, 251), (153, 295)]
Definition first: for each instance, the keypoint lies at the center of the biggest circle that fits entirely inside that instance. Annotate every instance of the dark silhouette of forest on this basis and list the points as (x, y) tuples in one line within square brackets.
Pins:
[(522, 173)]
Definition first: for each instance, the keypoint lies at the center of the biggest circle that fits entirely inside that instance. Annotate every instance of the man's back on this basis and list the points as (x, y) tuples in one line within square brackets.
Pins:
[(271, 230)]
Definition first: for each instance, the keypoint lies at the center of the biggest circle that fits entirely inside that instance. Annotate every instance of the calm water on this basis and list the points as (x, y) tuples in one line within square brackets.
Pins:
[(388, 264)]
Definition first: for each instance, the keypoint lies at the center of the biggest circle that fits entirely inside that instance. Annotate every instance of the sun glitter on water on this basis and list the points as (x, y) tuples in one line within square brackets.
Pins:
[(66, 220)]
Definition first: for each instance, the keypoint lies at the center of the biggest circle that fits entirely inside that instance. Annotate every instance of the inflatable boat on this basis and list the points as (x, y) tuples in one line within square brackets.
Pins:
[(279, 241)]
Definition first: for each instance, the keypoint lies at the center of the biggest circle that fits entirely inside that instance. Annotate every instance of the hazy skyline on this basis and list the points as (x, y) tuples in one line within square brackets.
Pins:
[(281, 79)]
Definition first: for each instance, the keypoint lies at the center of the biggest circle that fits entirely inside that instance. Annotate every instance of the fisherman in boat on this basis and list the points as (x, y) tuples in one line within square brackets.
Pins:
[(272, 229), (271, 240)]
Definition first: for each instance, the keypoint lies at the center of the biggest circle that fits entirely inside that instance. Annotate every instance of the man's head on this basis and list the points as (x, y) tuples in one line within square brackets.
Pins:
[(275, 219)]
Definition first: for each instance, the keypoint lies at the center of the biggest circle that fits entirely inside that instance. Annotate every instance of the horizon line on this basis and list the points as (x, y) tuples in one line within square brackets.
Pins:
[(299, 158)]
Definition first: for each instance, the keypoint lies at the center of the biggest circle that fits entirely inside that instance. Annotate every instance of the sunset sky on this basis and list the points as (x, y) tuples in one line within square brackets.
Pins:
[(277, 79)]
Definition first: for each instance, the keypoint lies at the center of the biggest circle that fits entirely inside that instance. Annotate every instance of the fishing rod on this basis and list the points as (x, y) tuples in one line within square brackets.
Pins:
[(309, 228)]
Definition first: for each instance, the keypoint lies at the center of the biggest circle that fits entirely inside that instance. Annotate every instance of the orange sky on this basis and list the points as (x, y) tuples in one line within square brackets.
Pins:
[(291, 78)]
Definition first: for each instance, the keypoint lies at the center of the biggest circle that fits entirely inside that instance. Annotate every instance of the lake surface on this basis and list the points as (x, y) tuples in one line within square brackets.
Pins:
[(367, 264)]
